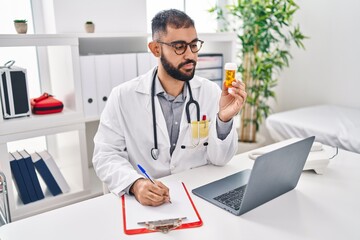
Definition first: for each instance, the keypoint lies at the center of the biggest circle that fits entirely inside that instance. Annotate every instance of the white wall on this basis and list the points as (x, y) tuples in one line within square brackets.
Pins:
[(109, 16), (328, 70)]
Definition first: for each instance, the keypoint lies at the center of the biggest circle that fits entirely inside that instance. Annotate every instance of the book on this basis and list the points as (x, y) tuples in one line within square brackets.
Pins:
[(18, 180), (54, 171), (25, 175), (34, 178), (45, 174)]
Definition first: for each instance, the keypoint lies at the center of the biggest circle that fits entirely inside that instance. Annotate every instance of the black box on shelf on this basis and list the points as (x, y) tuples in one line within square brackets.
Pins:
[(13, 91)]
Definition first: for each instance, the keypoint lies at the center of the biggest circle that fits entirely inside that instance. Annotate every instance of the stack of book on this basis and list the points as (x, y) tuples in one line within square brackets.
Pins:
[(25, 169)]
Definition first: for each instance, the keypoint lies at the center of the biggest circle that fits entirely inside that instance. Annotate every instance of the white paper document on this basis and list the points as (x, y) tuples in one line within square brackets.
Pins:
[(180, 207)]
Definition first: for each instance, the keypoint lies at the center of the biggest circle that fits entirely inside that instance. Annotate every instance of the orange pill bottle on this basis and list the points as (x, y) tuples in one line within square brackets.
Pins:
[(230, 71)]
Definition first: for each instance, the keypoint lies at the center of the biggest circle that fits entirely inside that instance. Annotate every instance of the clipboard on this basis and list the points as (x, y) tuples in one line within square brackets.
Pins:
[(180, 214)]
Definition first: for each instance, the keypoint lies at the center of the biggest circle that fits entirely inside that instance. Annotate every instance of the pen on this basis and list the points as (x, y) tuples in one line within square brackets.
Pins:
[(146, 175)]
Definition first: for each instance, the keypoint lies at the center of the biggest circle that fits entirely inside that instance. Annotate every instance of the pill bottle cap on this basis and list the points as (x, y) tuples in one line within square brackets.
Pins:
[(230, 66)]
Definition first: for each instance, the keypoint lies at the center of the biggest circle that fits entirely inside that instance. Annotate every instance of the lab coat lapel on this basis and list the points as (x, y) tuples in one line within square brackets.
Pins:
[(144, 87)]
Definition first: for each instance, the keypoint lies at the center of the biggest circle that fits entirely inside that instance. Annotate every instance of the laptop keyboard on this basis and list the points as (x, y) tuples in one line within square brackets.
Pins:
[(232, 198)]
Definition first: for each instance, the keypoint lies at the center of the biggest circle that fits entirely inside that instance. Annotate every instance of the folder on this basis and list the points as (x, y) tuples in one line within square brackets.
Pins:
[(103, 80), (26, 176), (140, 219), (88, 82), (145, 62), (130, 66), (116, 69), (34, 179), (18, 179)]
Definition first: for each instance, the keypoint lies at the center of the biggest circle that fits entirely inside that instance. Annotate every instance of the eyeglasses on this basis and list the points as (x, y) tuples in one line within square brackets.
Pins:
[(181, 46)]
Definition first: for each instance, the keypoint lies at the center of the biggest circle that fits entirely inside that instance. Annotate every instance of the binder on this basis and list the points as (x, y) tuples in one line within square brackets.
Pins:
[(26, 176), (34, 179), (45, 173), (18, 180), (180, 214), (145, 62), (88, 82), (116, 70), (130, 66), (103, 81)]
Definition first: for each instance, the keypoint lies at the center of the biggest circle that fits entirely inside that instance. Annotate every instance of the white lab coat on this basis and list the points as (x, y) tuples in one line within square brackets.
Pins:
[(125, 134)]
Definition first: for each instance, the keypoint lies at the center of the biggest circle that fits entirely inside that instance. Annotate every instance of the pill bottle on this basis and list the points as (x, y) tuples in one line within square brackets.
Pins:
[(230, 71)]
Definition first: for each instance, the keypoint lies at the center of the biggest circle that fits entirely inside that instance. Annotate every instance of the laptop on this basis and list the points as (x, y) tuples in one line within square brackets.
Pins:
[(272, 175)]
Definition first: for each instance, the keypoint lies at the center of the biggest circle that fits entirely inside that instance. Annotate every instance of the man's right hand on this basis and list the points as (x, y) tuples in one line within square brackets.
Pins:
[(150, 194)]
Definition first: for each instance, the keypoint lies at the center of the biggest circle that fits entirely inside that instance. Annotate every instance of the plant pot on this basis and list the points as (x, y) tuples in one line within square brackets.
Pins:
[(89, 28), (20, 27)]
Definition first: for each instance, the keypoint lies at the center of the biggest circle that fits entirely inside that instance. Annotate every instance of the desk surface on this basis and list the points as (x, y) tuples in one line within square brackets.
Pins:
[(321, 207)]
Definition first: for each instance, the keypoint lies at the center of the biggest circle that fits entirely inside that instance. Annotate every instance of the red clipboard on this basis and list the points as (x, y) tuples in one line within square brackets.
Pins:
[(197, 223)]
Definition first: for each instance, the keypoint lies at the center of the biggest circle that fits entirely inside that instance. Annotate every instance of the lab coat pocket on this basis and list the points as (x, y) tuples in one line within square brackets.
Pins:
[(195, 151), (200, 129)]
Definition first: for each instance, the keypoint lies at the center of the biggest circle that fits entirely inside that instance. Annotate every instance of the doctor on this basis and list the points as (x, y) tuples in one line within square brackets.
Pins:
[(146, 120)]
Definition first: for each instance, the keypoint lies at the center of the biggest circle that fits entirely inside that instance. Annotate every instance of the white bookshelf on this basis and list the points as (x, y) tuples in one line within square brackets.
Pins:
[(64, 133)]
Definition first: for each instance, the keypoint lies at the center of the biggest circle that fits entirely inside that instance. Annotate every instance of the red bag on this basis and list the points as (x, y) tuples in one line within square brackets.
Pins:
[(46, 104)]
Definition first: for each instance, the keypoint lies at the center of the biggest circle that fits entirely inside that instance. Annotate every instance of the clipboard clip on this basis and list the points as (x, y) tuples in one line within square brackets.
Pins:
[(163, 226)]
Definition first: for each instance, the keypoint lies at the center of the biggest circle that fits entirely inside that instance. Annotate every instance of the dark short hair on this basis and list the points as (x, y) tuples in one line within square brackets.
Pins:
[(173, 18)]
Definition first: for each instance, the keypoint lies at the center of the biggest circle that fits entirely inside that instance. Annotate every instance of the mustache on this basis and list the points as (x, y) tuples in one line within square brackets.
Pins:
[(187, 62)]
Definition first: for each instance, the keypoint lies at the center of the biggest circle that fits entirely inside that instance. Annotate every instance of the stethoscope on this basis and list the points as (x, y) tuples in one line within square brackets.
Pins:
[(155, 150)]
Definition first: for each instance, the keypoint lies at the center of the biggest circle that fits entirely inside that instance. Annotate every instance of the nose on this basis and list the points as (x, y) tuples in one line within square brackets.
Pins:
[(188, 54)]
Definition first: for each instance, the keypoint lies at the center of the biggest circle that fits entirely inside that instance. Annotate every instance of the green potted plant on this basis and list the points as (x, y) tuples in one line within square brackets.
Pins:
[(20, 26), (265, 33), (89, 27)]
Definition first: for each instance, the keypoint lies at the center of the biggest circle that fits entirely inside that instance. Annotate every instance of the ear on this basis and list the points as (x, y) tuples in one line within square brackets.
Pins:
[(154, 48)]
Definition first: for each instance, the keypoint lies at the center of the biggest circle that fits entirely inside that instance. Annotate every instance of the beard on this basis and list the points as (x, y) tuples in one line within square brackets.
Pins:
[(175, 72)]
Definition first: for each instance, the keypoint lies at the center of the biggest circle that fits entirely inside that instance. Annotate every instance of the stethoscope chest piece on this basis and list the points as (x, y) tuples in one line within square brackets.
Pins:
[(155, 153)]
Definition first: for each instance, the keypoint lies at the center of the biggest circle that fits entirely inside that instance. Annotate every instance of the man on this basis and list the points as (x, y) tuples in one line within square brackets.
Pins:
[(150, 128)]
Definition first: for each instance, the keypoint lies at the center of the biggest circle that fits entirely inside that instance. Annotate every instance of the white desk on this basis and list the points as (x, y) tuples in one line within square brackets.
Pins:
[(321, 207)]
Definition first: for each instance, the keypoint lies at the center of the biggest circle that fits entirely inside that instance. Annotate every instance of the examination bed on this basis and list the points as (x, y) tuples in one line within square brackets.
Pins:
[(331, 125)]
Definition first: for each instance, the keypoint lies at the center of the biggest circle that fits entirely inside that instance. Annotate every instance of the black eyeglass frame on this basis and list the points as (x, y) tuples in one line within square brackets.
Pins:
[(172, 44)]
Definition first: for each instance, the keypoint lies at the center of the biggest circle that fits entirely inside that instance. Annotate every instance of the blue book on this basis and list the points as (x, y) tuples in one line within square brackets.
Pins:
[(34, 179), (19, 181), (26, 176), (55, 171), (46, 174)]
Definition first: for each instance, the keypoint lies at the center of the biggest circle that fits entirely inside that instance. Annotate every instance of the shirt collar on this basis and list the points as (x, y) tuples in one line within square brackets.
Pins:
[(159, 90)]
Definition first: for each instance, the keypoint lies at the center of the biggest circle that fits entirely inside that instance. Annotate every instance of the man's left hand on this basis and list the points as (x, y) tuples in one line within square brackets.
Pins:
[(232, 100)]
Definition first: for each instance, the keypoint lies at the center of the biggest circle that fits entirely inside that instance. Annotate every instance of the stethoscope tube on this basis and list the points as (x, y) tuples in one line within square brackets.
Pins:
[(191, 101), (154, 150)]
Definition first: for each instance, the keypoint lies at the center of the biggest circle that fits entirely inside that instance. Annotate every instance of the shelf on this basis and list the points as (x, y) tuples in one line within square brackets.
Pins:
[(38, 122), (67, 145), (112, 44), (51, 202), (37, 40)]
